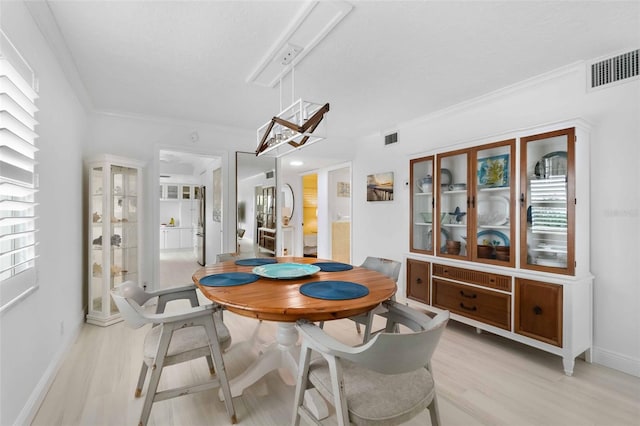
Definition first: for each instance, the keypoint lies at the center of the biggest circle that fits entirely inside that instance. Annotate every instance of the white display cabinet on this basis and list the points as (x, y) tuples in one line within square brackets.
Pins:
[(115, 234)]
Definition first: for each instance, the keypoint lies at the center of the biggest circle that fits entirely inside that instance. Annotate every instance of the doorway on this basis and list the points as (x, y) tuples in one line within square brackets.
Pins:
[(190, 228), (339, 197), (310, 215)]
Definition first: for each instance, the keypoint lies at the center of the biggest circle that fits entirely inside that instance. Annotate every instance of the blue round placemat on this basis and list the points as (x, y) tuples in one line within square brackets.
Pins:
[(334, 290), (228, 279), (333, 266), (258, 261)]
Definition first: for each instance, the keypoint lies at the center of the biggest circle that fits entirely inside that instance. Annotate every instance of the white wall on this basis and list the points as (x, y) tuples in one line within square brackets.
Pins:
[(35, 333), (382, 228), (143, 138)]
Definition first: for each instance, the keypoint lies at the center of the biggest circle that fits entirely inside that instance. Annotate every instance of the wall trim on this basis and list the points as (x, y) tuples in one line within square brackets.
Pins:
[(616, 361), (31, 407), (173, 121)]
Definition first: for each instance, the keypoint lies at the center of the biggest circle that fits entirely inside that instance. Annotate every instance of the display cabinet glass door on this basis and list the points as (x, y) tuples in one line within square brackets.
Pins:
[(114, 241), (98, 260), (452, 204), (547, 202), (491, 208), (422, 202)]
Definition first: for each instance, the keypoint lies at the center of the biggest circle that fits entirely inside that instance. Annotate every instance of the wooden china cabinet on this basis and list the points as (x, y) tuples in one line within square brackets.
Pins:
[(499, 236)]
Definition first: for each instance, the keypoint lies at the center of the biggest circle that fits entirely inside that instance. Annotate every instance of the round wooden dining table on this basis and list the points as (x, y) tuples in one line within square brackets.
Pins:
[(280, 300)]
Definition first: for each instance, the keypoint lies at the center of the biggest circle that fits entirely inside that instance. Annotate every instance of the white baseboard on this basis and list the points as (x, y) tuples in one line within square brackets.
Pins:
[(616, 361), (31, 407)]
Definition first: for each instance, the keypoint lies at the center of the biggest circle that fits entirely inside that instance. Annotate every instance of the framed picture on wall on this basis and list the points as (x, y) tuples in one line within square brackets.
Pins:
[(344, 189), (380, 187)]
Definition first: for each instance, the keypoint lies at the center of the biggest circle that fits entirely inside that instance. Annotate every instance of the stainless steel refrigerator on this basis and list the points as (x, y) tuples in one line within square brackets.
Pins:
[(201, 240)]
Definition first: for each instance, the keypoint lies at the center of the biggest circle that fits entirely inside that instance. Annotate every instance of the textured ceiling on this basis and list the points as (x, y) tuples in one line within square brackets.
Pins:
[(385, 63)]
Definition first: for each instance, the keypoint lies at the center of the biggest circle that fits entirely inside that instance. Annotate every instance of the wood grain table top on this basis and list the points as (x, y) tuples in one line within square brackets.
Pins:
[(281, 300)]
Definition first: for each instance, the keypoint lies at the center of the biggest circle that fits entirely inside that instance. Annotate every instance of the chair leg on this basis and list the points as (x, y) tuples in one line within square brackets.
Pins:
[(156, 371), (434, 412), (337, 387), (321, 324), (143, 375), (358, 328), (301, 382), (216, 352), (367, 328)]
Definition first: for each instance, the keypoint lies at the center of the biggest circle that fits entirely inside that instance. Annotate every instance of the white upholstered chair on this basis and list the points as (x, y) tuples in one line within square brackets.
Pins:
[(386, 381), (175, 338), (390, 268)]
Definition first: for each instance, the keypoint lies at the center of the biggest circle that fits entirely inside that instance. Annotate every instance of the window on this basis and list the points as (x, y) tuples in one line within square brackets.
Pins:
[(18, 180)]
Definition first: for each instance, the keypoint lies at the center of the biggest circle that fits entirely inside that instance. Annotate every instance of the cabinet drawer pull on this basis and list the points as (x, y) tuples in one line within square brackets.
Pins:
[(473, 308), (469, 296), (419, 281), (537, 310)]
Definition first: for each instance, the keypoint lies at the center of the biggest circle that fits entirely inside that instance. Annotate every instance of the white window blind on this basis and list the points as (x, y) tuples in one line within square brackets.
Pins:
[(18, 179)]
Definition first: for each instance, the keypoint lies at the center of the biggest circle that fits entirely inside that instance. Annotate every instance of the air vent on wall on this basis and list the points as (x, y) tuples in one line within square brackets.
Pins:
[(392, 138), (270, 174), (615, 69)]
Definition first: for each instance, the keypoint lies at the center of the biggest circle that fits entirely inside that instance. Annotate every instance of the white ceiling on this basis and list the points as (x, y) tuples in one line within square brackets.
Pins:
[(385, 63)]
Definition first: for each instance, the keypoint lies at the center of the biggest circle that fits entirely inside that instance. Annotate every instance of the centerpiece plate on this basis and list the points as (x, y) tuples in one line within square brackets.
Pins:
[(285, 271)]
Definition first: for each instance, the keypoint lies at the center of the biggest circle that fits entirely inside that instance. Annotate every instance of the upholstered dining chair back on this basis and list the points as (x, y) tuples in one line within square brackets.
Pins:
[(390, 268), (387, 380), (175, 338)]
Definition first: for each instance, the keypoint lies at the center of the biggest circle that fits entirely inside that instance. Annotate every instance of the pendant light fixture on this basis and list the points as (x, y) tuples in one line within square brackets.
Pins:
[(292, 128)]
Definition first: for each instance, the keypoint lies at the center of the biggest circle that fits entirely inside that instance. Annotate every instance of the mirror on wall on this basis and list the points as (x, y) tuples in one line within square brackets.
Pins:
[(256, 198), (288, 203)]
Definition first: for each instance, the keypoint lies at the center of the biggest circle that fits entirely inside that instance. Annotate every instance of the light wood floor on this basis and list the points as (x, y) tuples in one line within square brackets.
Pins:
[(481, 379)]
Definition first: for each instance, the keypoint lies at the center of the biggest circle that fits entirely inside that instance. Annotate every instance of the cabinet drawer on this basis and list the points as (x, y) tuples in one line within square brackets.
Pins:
[(485, 279), (418, 280), (483, 305), (539, 311)]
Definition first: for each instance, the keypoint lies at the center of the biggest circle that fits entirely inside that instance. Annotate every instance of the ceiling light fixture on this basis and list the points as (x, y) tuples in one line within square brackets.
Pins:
[(296, 125), (293, 127)]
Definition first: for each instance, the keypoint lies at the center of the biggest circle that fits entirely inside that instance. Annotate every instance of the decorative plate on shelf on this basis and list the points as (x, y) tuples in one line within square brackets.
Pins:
[(493, 210), (493, 171), (491, 237), (285, 271), (446, 178)]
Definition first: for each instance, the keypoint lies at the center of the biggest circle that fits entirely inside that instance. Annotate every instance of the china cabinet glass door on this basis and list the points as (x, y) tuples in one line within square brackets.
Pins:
[(422, 202), (491, 207), (547, 202), (114, 236), (452, 204)]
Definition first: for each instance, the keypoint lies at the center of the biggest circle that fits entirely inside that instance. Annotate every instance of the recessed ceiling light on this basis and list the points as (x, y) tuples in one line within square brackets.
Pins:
[(296, 163)]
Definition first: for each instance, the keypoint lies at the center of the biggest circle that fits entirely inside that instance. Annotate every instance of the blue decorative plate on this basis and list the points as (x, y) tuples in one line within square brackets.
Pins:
[(258, 261), (333, 266), (334, 290), (286, 271), (491, 237), (228, 279)]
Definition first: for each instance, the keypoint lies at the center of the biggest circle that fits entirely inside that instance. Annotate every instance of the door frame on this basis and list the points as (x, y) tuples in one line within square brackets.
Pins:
[(153, 200)]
